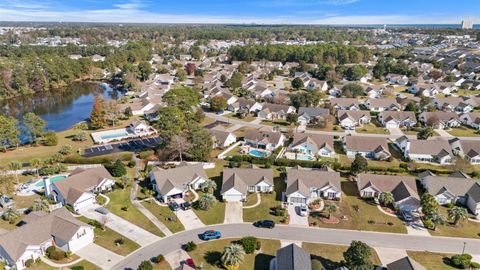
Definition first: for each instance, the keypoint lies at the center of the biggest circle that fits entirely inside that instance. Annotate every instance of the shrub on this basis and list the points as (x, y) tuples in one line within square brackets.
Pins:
[(190, 246), (119, 241), (145, 265), (317, 265), (55, 254), (146, 154), (131, 163), (428, 224), (462, 261), (77, 267), (50, 250), (117, 168), (159, 258), (249, 244), (475, 265), (96, 224), (125, 208), (280, 212), (50, 139), (29, 263)]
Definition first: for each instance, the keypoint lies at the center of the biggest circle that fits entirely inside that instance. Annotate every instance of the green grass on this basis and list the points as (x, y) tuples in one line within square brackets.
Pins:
[(251, 199), (41, 266), (215, 215), (87, 265), (162, 266), (463, 131), (358, 220), (278, 122), (372, 128), (164, 215), (209, 254), (432, 261), (121, 198), (466, 229), (331, 255), (248, 118), (106, 238)]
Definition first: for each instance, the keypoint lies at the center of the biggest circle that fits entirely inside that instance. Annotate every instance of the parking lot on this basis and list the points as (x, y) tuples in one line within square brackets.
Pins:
[(135, 145)]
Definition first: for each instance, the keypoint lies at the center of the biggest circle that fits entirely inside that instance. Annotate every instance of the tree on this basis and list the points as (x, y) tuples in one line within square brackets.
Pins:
[(125, 180), (206, 201), (36, 163), (457, 214), (15, 166), (184, 98), (411, 107), (356, 72), (232, 256), (249, 244), (144, 70), (117, 168), (145, 265), (352, 90), (425, 133), (80, 136), (357, 256), (171, 121), (40, 205), (200, 140), (50, 138), (462, 261), (9, 132), (435, 74), (181, 75), (330, 208), (190, 68), (209, 186), (297, 83), (429, 205), (359, 164), (10, 214), (386, 198), (292, 118), (97, 117), (235, 81), (218, 104), (179, 145), (34, 126)]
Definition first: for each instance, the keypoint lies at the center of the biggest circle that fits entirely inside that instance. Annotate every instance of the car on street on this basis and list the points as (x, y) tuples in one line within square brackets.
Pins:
[(270, 224), (303, 210), (185, 206), (173, 206), (210, 235)]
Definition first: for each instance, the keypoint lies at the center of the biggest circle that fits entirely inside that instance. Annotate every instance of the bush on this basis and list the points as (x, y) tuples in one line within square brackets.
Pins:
[(117, 168), (55, 254), (29, 263), (249, 244), (317, 265), (475, 265), (50, 139), (96, 224), (146, 154), (145, 265), (462, 261), (190, 246), (119, 241), (76, 159), (77, 267), (280, 212), (159, 258), (131, 163)]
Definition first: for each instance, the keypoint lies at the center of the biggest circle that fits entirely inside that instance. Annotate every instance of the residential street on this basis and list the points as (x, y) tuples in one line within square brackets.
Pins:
[(290, 233)]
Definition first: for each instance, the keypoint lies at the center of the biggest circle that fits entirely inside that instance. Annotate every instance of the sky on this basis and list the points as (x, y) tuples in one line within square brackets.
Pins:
[(244, 11)]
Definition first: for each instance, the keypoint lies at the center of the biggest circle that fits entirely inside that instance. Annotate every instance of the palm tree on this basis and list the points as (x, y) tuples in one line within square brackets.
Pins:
[(330, 208), (10, 214), (386, 198), (457, 214), (41, 205), (232, 256), (15, 166), (206, 201), (36, 163), (209, 186)]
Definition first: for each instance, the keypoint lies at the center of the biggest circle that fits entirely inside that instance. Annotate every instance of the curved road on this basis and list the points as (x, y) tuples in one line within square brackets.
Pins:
[(304, 234)]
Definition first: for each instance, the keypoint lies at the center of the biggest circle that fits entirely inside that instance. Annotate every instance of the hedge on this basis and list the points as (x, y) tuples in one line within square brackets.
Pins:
[(75, 159)]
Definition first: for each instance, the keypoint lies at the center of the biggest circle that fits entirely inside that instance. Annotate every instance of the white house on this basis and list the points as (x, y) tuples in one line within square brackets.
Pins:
[(310, 147), (264, 139), (353, 119), (238, 182), (397, 119), (471, 119), (440, 120), (397, 79), (222, 138), (430, 151), (466, 149), (368, 147), (382, 104)]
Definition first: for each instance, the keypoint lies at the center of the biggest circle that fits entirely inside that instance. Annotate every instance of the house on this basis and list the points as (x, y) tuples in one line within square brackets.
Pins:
[(382, 104), (308, 115), (291, 257), (140, 128), (222, 138), (368, 147), (238, 182), (40, 231), (304, 185), (176, 182), (245, 105), (397, 79), (353, 119), (310, 146), (315, 84), (431, 151), (405, 263), (79, 188), (440, 120), (397, 119), (471, 119), (264, 139), (466, 149), (374, 91), (350, 104), (454, 190), (453, 104), (403, 189), (272, 111)]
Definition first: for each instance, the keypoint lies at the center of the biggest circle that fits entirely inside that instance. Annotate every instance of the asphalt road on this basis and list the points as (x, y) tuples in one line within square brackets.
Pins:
[(303, 234)]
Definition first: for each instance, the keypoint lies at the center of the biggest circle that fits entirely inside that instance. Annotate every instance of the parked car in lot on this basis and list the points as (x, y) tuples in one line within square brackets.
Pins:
[(303, 210), (210, 235), (185, 206), (270, 224), (173, 206)]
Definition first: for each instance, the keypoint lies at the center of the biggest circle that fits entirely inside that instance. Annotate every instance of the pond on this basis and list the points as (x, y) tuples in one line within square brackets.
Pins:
[(61, 108)]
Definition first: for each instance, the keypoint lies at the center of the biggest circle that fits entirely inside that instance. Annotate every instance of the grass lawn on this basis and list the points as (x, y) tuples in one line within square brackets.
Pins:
[(106, 238), (328, 127), (25, 201), (432, 261), (209, 254), (358, 213), (234, 152), (415, 131), (251, 199), (87, 265), (164, 215), (467, 229), (162, 266), (372, 128), (248, 118), (463, 131), (121, 198), (42, 266), (215, 215), (331, 255), (278, 122)]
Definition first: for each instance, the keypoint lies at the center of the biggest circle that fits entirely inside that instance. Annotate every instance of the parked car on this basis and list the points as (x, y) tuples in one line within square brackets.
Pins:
[(210, 235), (185, 206), (190, 263), (270, 224), (173, 206), (102, 210), (407, 216), (303, 210)]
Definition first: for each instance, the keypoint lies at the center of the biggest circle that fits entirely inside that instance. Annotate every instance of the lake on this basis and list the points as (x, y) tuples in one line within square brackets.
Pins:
[(61, 108)]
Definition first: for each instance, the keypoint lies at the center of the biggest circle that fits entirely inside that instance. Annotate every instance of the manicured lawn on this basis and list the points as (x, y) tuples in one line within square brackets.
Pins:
[(372, 128), (331, 255), (234, 152), (355, 213), (164, 215), (432, 261), (328, 127), (87, 265), (279, 122), (251, 199), (106, 238), (209, 254), (121, 198), (248, 118), (162, 266), (215, 215), (415, 132), (41, 266), (7, 225), (24, 201), (468, 229), (463, 131)]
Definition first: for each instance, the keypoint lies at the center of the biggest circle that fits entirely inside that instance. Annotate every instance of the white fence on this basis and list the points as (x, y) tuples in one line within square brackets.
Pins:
[(206, 165), (222, 154)]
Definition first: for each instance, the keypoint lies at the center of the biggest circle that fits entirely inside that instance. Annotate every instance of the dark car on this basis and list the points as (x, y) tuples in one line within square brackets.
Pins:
[(210, 235), (185, 205), (173, 206), (270, 224), (407, 216)]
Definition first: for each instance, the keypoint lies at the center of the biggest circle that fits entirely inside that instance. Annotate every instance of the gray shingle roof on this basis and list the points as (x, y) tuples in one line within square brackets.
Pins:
[(177, 177), (457, 186), (401, 187), (302, 179), (405, 263), (293, 257), (242, 178)]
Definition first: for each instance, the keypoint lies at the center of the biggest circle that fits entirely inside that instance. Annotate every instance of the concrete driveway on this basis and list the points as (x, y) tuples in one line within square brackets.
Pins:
[(234, 212), (189, 219), (122, 226), (389, 255), (295, 218), (443, 133), (175, 257), (396, 132), (100, 256)]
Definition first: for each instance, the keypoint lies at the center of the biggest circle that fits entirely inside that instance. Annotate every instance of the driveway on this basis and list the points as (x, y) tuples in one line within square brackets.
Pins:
[(295, 218), (395, 132), (189, 219), (416, 228), (389, 255), (443, 133), (175, 257), (122, 226), (100, 256), (234, 212)]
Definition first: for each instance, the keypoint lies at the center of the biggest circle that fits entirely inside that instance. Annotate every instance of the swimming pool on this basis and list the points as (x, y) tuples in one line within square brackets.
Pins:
[(114, 136), (53, 179), (304, 157), (257, 153)]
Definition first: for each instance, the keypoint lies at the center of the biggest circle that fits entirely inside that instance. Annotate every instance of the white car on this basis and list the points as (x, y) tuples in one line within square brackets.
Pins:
[(303, 210)]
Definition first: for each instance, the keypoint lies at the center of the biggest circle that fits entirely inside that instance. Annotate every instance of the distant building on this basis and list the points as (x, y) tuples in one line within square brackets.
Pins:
[(467, 24)]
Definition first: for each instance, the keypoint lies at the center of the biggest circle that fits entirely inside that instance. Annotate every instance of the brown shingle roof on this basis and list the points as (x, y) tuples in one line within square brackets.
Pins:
[(400, 186), (302, 179), (242, 178), (366, 144), (177, 177), (318, 141)]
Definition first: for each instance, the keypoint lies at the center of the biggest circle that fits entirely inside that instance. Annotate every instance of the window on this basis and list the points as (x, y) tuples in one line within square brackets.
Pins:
[(81, 233)]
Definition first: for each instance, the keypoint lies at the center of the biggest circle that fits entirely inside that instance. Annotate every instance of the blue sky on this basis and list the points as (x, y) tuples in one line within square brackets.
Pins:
[(244, 11)]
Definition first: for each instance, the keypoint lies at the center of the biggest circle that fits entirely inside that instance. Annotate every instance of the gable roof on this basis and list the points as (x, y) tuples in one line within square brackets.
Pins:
[(354, 115), (316, 140), (220, 136), (430, 147), (178, 177), (293, 257), (456, 186), (405, 263), (383, 102), (344, 102), (398, 116), (401, 187), (241, 178), (261, 135), (312, 112), (302, 179), (366, 144)]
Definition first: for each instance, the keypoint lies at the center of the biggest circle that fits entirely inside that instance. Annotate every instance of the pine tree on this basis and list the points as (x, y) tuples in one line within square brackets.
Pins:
[(97, 117)]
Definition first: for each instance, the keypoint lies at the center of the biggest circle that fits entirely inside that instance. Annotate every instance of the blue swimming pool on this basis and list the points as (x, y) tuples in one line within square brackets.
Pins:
[(304, 157), (257, 153), (114, 136), (53, 179)]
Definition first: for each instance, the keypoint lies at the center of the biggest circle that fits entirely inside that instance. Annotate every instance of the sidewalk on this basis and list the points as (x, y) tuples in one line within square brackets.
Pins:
[(152, 218)]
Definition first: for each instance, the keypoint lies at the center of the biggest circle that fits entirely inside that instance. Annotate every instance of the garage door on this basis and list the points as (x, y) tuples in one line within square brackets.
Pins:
[(85, 203), (233, 198), (391, 125)]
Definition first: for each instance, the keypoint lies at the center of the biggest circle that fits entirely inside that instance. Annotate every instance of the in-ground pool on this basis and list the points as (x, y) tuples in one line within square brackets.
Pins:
[(39, 183), (304, 157), (257, 153), (114, 136)]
